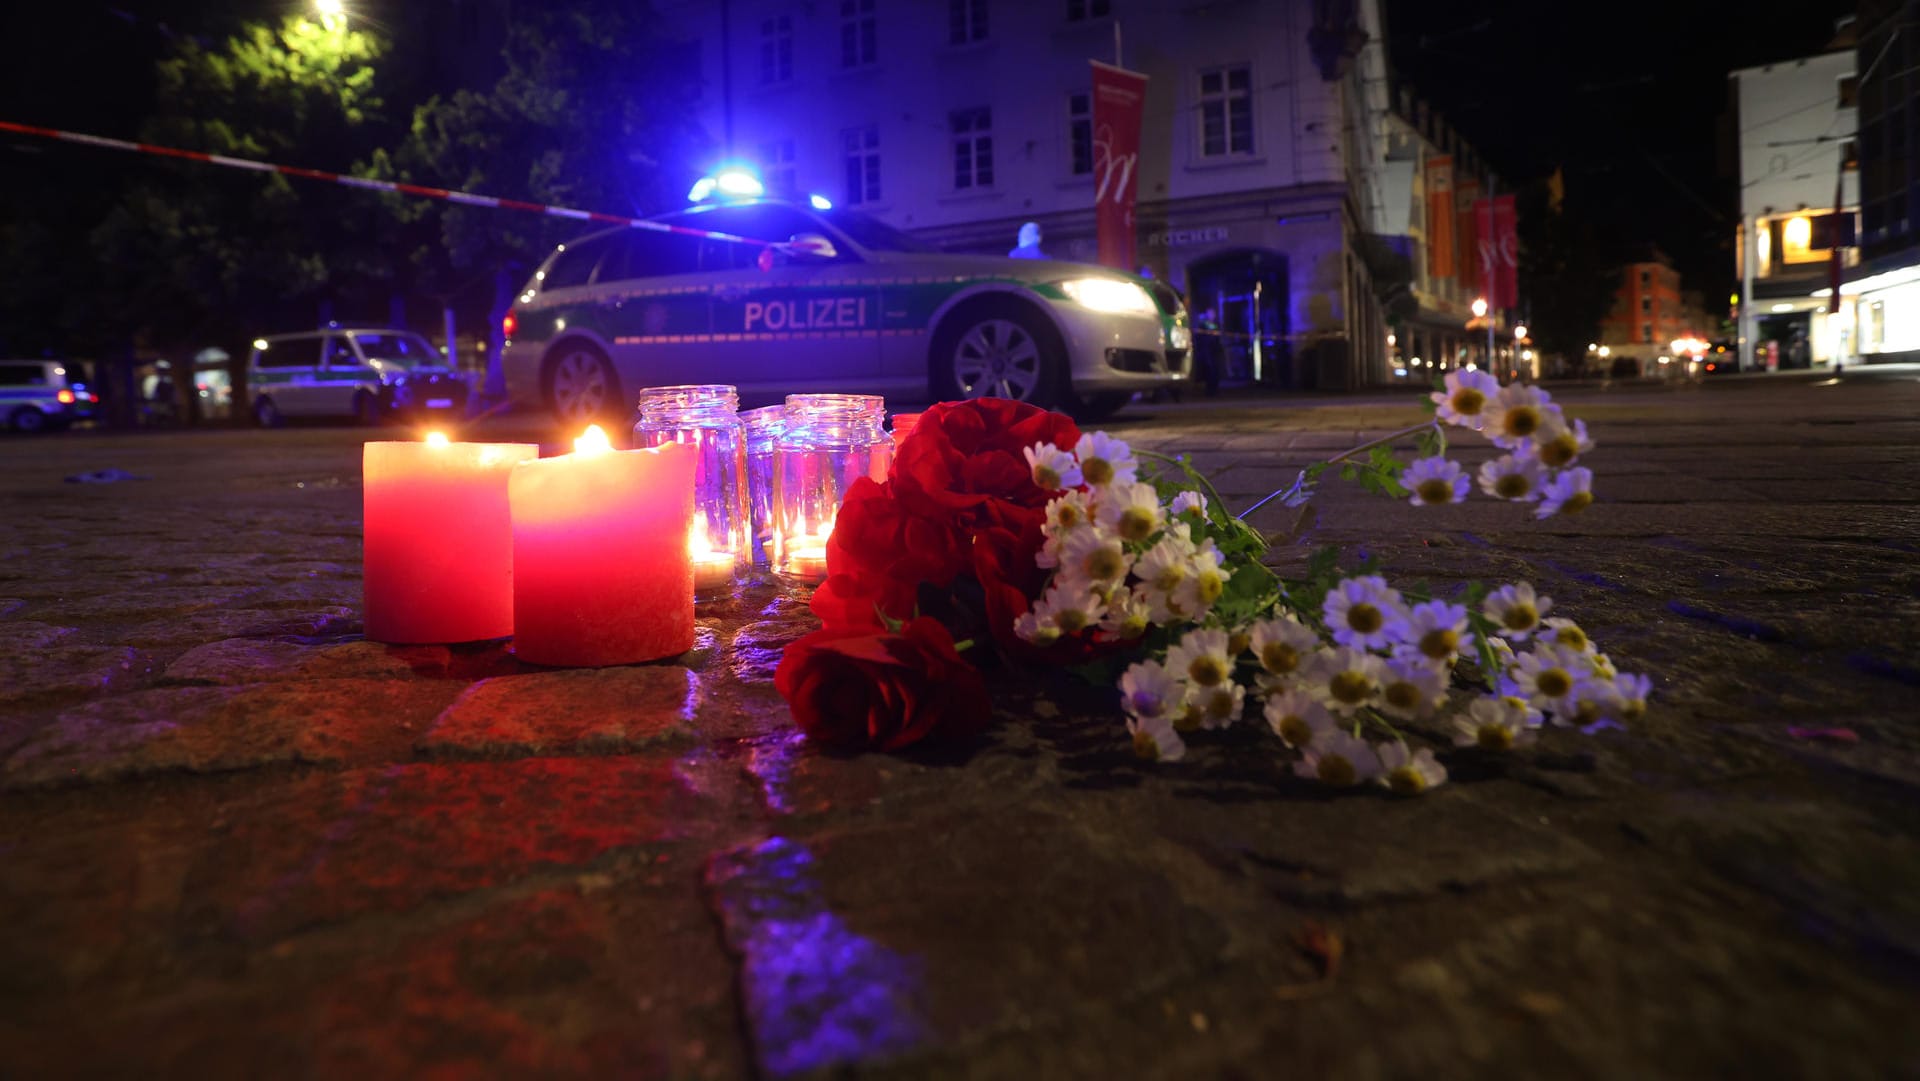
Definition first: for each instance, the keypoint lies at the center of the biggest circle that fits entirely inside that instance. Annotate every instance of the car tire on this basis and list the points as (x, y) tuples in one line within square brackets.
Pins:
[(265, 413), (1098, 406), (580, 384), (366, 409), (28, 420), (1000, 348)]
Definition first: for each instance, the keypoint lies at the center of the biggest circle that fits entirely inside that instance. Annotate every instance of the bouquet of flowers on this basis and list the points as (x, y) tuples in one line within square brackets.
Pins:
[(1001, 522)]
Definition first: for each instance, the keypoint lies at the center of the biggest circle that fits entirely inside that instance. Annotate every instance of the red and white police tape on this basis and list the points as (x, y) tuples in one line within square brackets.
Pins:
[(398, 187)]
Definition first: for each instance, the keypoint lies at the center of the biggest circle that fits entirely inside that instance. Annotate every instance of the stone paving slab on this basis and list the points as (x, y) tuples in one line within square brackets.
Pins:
[(237, 839)]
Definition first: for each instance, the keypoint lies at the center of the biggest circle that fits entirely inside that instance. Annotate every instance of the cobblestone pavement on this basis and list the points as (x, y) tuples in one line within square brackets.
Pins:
[(238, 840)]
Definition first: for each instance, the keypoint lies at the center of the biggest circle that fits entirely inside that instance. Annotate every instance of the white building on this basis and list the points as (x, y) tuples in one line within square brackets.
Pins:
[(1796, 126), (1261, 144)]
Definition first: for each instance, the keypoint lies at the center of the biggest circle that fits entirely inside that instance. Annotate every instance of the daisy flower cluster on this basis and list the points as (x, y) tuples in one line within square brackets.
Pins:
[(1369, 661), (1543, 448)]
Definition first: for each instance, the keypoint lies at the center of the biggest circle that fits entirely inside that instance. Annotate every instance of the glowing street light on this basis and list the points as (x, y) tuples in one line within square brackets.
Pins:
[(1520, 332), (1479, 307), (330, 11), (1604, 351)]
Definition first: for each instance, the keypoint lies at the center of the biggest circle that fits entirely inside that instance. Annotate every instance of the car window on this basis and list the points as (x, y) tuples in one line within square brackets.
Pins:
[(339, 352), (574, 266), (290, 353), (23, 375), (873, 235), (404, 350), (729, 255), (640, 253), (770, 222)]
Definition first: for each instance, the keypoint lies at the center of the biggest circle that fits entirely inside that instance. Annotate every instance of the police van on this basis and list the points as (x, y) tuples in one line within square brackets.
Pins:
[(844, 303), (37, 394), (367, 373)]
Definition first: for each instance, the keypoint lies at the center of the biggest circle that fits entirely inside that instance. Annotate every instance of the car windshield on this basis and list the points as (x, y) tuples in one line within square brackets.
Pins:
[(873, 235), (405, 350)]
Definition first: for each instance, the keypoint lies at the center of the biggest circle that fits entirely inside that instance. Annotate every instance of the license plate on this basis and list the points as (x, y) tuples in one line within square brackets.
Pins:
[(439, 403)]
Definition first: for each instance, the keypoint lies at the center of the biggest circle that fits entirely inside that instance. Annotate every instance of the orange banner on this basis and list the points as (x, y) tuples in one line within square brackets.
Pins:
[(1466, 238), (1440, 217)]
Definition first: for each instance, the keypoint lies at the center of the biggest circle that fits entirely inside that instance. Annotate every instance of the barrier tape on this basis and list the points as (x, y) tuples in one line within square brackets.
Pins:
[(397, 187)]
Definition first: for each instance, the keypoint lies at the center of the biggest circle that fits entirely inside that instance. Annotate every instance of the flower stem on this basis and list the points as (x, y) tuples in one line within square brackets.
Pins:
[(1337, 459)]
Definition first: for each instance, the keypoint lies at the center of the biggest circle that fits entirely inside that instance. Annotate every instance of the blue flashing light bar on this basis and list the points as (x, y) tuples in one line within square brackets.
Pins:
[(819, 202)]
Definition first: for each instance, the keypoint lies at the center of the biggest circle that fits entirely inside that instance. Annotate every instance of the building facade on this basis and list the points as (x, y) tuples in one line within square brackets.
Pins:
[(959, 120), (1799, 199), (1883, 288)]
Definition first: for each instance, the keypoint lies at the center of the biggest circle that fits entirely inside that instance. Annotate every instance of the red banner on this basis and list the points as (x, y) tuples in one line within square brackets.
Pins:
[(1119, 99), (1499, 251), (1466, 192), (1440, 217)]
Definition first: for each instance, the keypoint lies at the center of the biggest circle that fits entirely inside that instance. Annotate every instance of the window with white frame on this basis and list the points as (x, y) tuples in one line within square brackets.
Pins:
[(862, 154), (1080, 132), (1226, 111), (859, 33), (966, 21), (776, 166), (972, 148), (1081, 10), (776, 49)]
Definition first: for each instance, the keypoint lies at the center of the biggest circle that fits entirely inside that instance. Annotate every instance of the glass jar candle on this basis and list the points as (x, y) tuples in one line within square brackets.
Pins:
[(827, 442), (708, 418), (763, 425), (903, 426)]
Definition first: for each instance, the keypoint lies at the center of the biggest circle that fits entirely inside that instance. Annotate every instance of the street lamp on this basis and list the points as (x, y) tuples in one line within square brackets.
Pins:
[(1604, 351), (1520, 332), (1479, 307)]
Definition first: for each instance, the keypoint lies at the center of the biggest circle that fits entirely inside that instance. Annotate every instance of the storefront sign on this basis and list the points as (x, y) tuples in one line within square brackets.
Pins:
[(1180, 238)]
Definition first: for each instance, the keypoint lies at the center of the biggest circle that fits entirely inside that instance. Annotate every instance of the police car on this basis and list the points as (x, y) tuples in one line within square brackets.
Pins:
[(844, 303), (37, 394), (366, 373)]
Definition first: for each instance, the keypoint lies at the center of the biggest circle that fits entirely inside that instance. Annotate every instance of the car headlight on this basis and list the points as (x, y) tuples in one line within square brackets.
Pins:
[(1108, 295)]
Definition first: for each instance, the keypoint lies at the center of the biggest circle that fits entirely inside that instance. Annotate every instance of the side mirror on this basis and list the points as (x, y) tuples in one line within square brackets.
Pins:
[(812, 247)]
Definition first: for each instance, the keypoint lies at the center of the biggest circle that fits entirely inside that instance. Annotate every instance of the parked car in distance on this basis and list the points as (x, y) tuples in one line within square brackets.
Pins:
[(36, 395), (366, 373)]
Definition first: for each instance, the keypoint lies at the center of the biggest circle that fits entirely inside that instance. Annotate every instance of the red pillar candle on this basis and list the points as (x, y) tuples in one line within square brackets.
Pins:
[(601, 573), (439, 549)]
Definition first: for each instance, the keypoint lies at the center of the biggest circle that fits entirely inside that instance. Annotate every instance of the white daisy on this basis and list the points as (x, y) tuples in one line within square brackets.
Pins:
[(1569, 492), (1131, 510), (1201, 658), (1220, 706), (1127, 616), (1069, 605), (1094, 556), (1466, 397), (1164, 573), (1513, 476), (1408, 773), (1149, 690), (1189, 503), (1548, 676), (1518, 412), (1282, 644), (1562, 442), (1515, 610), (1345, 679), (1065, 513), (1565, 632), (1411, 690), (1339, 759), (1433, 481), (1496, 723), (1155, 740), (1053, 469), (1437, 630), (1297, 717), (1206, 580), (1105, 460), (1364, 612), (1630, 692), (1030, 627)]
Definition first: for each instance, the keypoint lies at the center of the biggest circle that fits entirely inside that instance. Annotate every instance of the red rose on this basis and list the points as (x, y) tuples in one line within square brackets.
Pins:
[(964, 462), (850, 601), (875, 537), (859, 689)]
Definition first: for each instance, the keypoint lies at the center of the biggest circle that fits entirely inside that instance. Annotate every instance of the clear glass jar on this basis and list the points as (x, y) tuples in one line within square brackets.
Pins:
[(708, 418), (903, 427), (827, 442), (763, 426)]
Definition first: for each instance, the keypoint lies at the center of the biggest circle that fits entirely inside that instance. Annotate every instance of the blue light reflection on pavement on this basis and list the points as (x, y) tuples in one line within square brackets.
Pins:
[(816, 993)]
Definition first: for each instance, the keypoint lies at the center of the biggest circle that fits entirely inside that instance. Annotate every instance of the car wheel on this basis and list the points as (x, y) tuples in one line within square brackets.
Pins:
[(581, 385), (366, 409), (265, 413), (999, 350), (1088, 408), (28, 419)]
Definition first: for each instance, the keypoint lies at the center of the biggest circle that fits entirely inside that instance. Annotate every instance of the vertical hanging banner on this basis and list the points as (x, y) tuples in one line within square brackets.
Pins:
[(1119, 100), (1440, 217), (1466, 237), (1499, 253)]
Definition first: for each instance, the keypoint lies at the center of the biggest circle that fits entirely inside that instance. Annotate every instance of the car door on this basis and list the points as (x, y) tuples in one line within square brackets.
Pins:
[(653, 309), (339, 377), (787, 323), (285, 372)]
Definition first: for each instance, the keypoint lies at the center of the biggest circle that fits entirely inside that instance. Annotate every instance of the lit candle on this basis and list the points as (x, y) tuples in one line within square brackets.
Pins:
[(601, 572), (804, 553), (438, 563), (712, 571)]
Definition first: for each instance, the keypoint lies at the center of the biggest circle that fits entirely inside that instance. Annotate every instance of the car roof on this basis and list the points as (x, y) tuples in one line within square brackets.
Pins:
[(298, 334)]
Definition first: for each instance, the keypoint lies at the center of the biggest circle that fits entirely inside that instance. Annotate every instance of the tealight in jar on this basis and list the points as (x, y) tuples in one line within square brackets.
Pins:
[(827, 442), (763, 425), (707, 417)]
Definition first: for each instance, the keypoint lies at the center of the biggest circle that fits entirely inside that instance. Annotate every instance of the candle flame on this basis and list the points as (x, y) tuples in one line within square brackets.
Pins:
[(436, 439), (698, 545), (592, 441)]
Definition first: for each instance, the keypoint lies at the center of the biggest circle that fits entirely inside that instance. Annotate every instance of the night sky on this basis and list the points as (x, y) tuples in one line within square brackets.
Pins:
[(1627, 97)]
